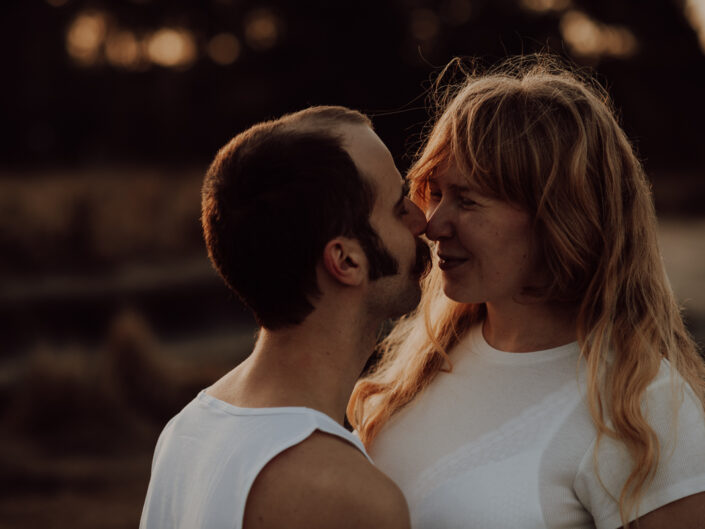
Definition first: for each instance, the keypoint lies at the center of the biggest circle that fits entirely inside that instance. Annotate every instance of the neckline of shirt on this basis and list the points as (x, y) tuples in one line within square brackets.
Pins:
[(477, 344), (232, 409), (327, 424)]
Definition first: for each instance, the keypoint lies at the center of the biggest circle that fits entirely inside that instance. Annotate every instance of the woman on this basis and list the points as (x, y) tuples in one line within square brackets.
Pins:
[(547, 379)]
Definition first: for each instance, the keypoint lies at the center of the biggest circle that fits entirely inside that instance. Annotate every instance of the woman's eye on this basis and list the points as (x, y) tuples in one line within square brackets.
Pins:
[(467, 202)]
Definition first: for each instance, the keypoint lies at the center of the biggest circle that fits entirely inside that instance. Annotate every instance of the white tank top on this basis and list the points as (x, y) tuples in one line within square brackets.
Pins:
[(208, 456)]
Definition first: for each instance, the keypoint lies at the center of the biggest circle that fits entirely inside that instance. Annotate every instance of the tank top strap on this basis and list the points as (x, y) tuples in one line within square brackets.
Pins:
[(326, 424)]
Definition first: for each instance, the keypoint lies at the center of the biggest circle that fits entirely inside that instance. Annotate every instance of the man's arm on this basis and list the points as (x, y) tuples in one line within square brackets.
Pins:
[(324, 483)]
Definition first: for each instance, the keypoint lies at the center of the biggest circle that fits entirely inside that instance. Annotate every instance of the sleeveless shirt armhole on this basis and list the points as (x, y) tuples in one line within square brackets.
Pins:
[(329, 426), (317, 424), (274, 453)]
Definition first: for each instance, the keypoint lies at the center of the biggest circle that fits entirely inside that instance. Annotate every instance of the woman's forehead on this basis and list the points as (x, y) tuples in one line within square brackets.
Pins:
[(451, 174)]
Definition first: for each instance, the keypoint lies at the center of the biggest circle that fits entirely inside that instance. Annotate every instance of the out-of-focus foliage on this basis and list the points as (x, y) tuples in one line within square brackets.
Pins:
[(111, 317), (153, 79)]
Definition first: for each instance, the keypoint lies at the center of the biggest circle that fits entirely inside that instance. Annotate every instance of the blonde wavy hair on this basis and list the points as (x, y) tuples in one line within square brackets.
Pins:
[(537, 134)]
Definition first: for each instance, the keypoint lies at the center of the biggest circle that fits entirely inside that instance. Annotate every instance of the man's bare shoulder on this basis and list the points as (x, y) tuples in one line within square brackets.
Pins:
[(324, 482)]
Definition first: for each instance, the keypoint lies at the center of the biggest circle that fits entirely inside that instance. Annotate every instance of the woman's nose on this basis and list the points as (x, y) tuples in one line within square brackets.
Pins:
[(439, 223)]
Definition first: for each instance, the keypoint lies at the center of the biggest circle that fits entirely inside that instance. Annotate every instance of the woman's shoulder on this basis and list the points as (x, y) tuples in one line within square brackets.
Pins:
[(676, 415), (669, 394)]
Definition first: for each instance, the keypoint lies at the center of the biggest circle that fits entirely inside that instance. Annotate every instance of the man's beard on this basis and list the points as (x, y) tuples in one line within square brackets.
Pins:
[(410, 295), (423, 260)]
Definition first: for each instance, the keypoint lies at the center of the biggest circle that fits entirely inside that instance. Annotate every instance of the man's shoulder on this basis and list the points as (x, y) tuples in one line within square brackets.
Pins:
[(324, 482)]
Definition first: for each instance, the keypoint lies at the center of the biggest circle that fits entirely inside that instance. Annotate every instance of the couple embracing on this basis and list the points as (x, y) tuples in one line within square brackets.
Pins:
[(539, 374)]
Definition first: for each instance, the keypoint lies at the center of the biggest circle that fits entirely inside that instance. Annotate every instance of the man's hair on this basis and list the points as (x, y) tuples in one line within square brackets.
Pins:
[(272, 199)]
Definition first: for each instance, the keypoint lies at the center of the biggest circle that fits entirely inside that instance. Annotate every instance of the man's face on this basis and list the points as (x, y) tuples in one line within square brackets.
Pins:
[(397, 221)]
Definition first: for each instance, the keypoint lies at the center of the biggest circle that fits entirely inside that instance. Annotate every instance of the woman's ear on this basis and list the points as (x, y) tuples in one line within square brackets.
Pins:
[(345, 261)]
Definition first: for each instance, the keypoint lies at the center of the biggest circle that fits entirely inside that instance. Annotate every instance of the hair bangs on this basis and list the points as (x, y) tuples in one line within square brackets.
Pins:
[(541, 135)]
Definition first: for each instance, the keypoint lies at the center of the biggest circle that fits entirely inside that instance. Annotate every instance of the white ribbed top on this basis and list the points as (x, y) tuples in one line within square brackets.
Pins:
[(505, 440)]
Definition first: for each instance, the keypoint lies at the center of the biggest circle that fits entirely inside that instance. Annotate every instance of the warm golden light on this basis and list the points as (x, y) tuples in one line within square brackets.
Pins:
[(122, 49), (424, 24), (172, 47), (695, 13), (581, 33), (542, 6), (224, 48), (619, 42), (589, 38), (262, 29), (85, 37)]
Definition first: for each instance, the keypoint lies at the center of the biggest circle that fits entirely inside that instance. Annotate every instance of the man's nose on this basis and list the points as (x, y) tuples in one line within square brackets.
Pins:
[(439, 224), (416, 219)]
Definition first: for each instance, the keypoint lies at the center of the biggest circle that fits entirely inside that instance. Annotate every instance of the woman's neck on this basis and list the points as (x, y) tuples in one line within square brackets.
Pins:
[(526, 327)]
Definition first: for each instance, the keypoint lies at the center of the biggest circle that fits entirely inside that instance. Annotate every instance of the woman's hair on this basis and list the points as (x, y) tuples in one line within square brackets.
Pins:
[(536, 134)]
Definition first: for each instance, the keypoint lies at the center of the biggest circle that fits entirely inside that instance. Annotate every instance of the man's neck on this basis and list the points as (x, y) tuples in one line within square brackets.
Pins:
[(314, 364)]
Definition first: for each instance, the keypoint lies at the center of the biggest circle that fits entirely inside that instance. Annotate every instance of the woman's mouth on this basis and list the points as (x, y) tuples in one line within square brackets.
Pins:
[(447, 262)]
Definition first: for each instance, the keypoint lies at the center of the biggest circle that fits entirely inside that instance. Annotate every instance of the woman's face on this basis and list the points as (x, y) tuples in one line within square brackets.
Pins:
[(483, 244)]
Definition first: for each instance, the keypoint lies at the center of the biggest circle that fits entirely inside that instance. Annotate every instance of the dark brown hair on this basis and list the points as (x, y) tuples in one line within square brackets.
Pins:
[(271, 200)]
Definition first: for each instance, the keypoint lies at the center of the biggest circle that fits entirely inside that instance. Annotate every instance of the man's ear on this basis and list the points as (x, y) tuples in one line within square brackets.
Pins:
[(345, 261)]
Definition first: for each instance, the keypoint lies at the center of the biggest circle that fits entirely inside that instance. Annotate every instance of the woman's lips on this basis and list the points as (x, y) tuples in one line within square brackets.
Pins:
[(446, 262)]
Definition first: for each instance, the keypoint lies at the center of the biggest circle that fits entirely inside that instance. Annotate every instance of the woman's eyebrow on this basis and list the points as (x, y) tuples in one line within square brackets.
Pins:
[(460, 188)]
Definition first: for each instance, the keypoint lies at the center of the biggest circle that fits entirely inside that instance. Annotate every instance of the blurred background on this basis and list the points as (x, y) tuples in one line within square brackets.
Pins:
[(111, 318)]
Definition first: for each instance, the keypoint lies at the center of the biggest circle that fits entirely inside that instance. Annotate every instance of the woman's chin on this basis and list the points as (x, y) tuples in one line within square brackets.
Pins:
[(458, 293)]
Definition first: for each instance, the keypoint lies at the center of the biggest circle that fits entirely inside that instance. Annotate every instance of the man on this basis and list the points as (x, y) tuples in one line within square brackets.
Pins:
[(306, 219)]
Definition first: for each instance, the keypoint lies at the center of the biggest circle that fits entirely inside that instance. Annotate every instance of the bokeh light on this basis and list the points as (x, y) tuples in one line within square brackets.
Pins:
[(85, 37), (591, 39), (224, 48), (122, 49), (695, 13), (172, 47), (542, 6), (115, 108), (424, 24), (263, 29)]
